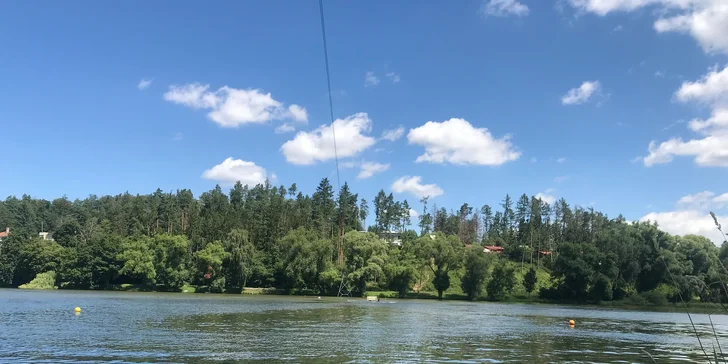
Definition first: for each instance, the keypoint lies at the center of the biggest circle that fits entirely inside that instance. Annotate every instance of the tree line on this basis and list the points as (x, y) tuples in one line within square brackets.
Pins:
[(277, 237)]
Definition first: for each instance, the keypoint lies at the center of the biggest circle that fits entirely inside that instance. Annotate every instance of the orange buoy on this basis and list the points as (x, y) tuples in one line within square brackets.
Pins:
[(572, 322)]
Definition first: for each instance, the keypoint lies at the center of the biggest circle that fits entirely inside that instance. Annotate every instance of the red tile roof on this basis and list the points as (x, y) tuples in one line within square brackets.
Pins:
[(494, 248)]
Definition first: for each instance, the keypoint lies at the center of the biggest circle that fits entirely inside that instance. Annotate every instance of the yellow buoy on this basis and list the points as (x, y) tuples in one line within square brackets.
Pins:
[(77, 310), (572, 322)]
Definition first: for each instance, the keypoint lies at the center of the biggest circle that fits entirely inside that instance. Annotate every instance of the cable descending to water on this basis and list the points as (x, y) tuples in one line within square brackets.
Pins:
[(328, 84), (333, 132)]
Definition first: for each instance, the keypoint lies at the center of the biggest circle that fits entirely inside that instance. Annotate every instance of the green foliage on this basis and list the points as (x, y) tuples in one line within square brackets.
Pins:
[(281, 239), (217, 285), (171, 261), (530, 280), (477, 264), (209, 263), (365, 256), (35, 257), (45, 280), (243, 260), (401, 277), (441, 254), (137, 259), (501, 282), (305, 257)]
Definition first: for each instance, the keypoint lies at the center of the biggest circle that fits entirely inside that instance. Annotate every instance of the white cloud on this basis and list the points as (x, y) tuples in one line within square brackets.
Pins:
[(581, 94), (456, 141), (145, 83), (504, 8), (712, 149), (370, 79), (545, 197), (318, 145), (659, 74), (618, 28), (413, 213), (232, 170), (721, 200), (393, 77), (561, 179), (284, 128), (717, 122), (698, 200), (414, 186), (692, 215), (711, 89), (703, 200), (231, 107), (298, 113), (393, 134), (348, 164), (705, 20), (683, 222), (369, 169), (561, 160), (178, 136)]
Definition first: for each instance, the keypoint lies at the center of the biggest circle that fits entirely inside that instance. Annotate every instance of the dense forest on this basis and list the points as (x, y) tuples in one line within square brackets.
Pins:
[(280, 238)]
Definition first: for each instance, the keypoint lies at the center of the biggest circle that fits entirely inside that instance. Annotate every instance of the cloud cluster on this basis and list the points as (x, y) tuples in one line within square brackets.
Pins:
[(231, 107), (546, 197), (393, 134), (307, 148), (504, 8), (456, 141), (394, 77), (144, 84), (704, 20), (712, 149), (414, 186), (703, 201), (370, 79), (233, 170), (581, 94), (691, 215), (369, 169)]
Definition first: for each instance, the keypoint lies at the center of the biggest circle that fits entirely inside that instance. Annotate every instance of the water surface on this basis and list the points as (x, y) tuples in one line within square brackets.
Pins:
[(123, 327)]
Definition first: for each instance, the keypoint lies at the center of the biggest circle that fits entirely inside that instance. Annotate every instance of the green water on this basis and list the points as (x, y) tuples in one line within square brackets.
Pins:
[(121, 327)]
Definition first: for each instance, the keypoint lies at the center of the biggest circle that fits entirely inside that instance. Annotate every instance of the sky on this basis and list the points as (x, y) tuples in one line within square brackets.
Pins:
[(617, 104)]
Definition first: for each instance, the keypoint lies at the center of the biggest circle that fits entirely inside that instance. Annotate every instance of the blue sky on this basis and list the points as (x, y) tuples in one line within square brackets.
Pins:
[(104, 98)]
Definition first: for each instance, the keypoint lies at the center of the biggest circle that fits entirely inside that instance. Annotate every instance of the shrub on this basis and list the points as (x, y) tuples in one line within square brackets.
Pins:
[(502, 281), (217, 285), (45, 280)]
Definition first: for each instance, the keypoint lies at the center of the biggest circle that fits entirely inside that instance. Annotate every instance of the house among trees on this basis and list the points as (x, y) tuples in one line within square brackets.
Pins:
[(392, 237), (4, 234), (493, 249), (45, 236)]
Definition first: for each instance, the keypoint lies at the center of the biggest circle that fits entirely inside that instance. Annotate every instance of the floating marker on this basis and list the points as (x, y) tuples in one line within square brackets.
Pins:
[(572, 322), (77, 310)]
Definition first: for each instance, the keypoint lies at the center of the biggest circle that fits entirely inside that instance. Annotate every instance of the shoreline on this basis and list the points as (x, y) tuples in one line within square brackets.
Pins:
[(693, 307)]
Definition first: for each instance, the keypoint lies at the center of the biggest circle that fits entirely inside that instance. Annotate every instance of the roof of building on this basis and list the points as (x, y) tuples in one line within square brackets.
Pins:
[(494, 248), (4, 234)]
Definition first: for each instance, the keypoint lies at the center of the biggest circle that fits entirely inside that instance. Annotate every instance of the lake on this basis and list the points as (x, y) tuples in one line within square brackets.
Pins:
[(123, 327)]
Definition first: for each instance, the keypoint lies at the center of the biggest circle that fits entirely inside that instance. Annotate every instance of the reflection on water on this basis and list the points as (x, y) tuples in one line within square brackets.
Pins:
[(128, 327)]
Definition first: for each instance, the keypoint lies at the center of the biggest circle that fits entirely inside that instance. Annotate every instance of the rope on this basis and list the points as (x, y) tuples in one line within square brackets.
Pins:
[(328, 83)]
